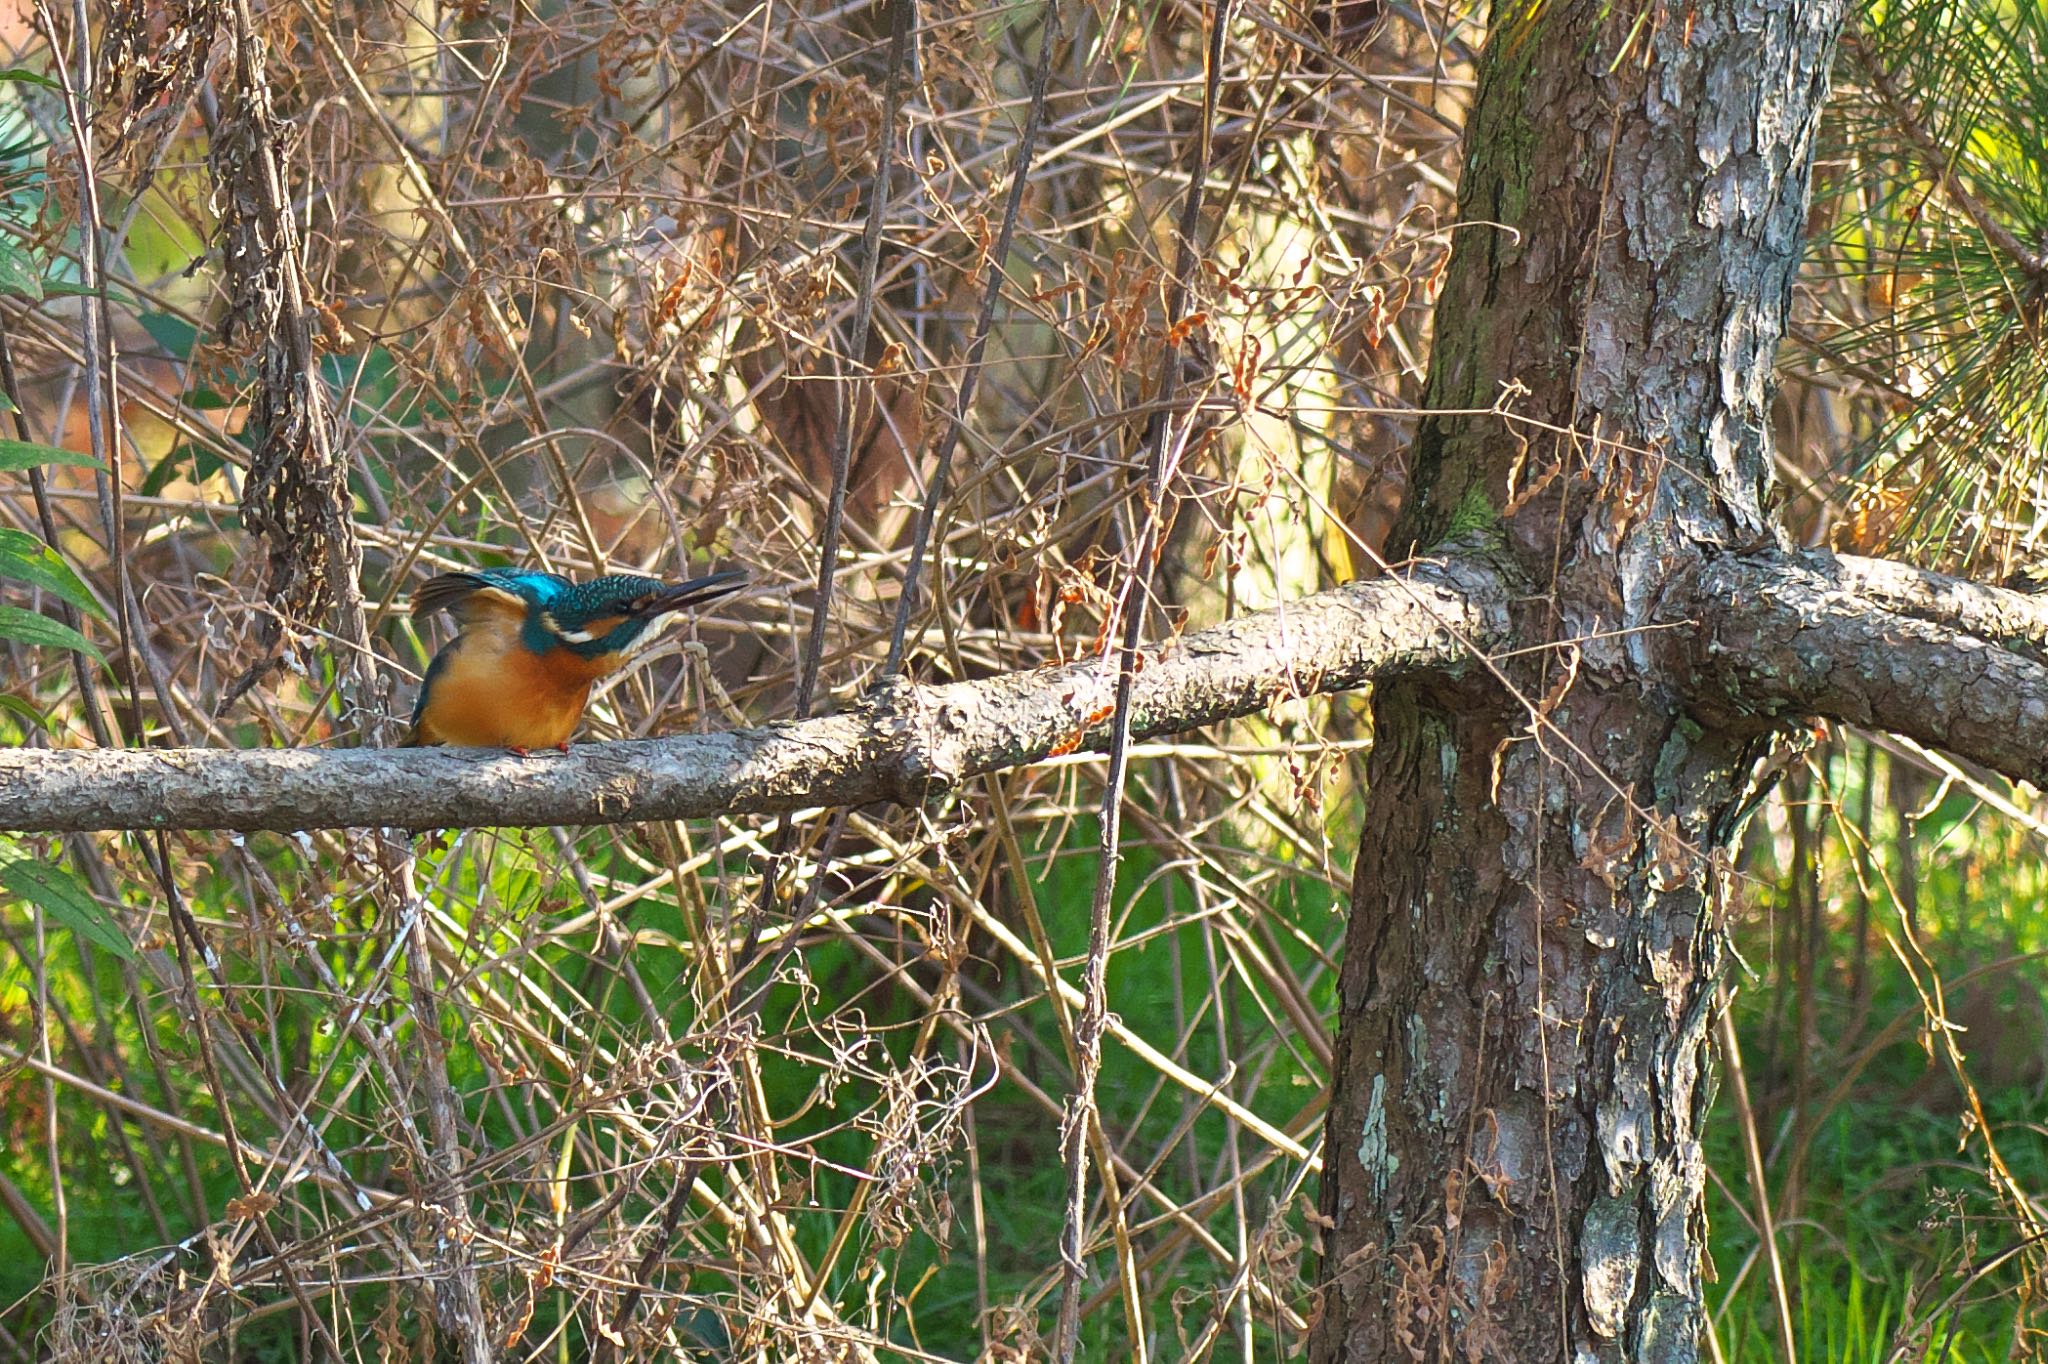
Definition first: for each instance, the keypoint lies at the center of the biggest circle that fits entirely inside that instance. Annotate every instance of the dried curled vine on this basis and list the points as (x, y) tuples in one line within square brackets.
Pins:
[(297, 495)]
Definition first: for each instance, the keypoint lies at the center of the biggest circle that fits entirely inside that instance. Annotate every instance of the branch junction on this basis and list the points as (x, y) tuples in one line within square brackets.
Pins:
[(1953, 664)]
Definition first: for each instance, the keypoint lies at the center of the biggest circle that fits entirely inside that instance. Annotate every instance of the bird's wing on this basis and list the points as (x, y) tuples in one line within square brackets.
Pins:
[(484, 594), (416, 735), (527, 584)]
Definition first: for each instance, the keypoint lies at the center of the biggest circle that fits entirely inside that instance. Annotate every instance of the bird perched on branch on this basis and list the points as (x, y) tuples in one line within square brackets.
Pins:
[(531, 645)]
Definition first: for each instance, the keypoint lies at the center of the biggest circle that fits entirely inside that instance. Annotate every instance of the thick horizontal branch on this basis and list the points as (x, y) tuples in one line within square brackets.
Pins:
[(1953, 664), (906, 745), (1996, 615)]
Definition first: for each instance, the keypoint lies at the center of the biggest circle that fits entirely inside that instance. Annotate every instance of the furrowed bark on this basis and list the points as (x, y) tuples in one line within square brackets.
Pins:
[(1513, 1166), (1952, 664), (906, 745)]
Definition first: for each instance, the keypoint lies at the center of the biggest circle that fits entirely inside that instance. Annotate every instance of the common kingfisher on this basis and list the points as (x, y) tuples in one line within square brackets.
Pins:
[(531, 645)]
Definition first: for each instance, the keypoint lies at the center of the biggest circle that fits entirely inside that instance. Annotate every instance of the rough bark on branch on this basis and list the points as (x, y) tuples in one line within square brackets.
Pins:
[(905, 746), (1953, 664)]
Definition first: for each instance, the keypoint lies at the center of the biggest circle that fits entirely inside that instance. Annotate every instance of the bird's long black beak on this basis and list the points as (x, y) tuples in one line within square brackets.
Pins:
[(695, 592)]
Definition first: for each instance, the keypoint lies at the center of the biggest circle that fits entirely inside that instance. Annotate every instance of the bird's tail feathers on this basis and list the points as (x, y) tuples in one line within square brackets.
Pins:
[(443, 593)]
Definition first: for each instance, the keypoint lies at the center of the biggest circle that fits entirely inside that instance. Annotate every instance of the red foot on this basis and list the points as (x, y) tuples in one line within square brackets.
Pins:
[(562, 747), (517, 751)]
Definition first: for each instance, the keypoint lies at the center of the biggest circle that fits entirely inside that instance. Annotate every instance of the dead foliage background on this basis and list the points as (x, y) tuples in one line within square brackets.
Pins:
[(588, 288), (356, 293)]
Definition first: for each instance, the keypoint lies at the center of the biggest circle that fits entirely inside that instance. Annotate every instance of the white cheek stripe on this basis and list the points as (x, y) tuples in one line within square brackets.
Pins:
[(567, 636), (646, 636)]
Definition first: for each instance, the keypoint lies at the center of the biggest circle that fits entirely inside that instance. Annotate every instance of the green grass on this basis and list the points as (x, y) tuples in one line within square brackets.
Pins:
[(1896, 1211), (1891, 1218)]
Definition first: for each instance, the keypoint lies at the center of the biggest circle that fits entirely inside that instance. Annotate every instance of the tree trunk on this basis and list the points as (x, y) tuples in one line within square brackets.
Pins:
[(1513, 1166)]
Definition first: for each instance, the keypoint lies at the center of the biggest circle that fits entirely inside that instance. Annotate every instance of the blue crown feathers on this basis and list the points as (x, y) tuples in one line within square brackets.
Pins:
[(602, 616)]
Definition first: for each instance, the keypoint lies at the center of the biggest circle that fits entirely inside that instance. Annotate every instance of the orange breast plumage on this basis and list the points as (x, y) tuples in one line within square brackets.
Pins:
[(492, 692)]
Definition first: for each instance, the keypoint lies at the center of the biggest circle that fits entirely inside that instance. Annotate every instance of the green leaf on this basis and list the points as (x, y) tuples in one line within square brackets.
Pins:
[(54, 289), (68, 902), (25, 76), (29, 715), (174, 334), (204, 464), (26, 559), (7, 404), (21, 454), (166, 469), (18, 274), (30, 628)]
